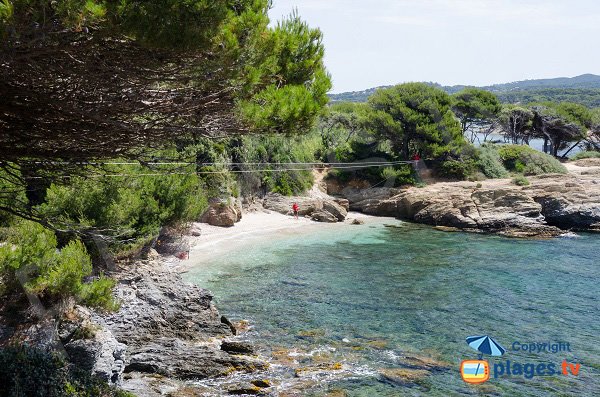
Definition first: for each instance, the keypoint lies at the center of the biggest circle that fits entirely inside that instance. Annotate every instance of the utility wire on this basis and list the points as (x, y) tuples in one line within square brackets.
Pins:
[(355, 166), (224, 164)]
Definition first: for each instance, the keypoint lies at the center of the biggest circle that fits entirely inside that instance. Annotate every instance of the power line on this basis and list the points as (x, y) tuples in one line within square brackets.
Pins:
[(354, 166), (219, 164)]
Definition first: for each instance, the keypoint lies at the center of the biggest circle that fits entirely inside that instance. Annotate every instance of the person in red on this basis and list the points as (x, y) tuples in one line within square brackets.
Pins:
[(416, 157), (295, 209)]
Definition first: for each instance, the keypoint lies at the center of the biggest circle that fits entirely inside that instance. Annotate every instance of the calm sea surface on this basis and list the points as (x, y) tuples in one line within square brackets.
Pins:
[(376, 296)]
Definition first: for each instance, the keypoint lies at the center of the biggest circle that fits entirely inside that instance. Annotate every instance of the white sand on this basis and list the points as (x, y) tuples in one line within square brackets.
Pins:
[(217, 241)]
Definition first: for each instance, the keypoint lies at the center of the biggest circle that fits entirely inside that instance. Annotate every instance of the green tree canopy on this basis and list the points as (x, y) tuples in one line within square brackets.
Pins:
[(415, 117), (86, 78), (517, 123), (474, 106), (560, 123), (342, 122)]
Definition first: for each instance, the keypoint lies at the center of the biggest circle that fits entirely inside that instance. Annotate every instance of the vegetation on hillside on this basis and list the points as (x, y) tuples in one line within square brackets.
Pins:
[(120, 118), (584, 90), (28, 372)]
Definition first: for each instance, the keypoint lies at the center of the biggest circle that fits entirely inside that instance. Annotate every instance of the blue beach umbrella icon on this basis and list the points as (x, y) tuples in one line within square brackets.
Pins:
[(485, 345)]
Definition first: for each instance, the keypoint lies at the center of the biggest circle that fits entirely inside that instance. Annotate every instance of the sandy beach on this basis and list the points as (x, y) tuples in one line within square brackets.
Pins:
[(216, 241)]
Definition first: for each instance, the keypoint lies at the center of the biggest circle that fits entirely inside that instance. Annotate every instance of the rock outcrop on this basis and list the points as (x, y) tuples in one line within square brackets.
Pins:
[(224, 214), (321, 209), (550, 205), (323, 216), (171, 328), (165, 330)]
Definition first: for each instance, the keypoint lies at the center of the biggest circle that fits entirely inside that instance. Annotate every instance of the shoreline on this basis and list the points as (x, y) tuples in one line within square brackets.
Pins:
[(215, 241)]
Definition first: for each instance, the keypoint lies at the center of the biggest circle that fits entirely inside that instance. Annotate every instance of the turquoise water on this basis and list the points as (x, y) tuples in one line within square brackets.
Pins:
[(370, 296)]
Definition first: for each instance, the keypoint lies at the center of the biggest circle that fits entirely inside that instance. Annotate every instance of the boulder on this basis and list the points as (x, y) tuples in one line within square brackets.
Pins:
[(335, 209), (344, 203), (195, 231), (323, 216), (102, 355), (307, 206), (282, 204), (237, 347), (223, 214), (173, 357)]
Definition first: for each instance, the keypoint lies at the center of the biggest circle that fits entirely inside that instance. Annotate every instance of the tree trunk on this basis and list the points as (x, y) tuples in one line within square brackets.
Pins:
[(405, 148)]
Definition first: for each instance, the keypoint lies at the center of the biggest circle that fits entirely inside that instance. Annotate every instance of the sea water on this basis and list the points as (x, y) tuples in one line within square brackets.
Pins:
[(376, 296)]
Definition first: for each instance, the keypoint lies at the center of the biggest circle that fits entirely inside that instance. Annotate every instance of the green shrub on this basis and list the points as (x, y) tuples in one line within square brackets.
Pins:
[(99, 294), (511, 154), (490, 163), (132, 208), (401, 175), (457, 169), (586, 155), (520, 180), (52, 273), (259, 151), (540, 163), (523, 159), (28, 372)]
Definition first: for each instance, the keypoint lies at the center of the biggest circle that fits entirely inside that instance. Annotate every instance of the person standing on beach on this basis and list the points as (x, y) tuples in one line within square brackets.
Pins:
[(295, 210)]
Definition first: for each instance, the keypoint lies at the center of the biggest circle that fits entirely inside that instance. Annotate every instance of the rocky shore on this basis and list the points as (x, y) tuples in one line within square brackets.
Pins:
[(551, 205), (165, 332), (171, 329)]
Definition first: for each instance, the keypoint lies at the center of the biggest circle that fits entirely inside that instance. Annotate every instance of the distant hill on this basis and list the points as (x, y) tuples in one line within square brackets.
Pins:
[(584, 89)]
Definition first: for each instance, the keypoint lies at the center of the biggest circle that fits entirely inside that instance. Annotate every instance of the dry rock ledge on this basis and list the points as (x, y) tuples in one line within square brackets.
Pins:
[(549, 206), (170, 328), (165, 332)]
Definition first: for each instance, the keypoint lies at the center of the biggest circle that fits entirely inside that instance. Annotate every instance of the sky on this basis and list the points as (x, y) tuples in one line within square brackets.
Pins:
[(371, 43)]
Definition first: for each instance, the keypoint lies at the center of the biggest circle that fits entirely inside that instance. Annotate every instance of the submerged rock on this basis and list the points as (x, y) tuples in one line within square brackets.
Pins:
[(404, 376), (243, 388), (237, 347), (318, 368)]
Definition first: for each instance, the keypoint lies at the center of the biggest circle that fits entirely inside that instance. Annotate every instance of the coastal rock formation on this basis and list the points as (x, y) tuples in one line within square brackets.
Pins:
[(323, 216), (550, 205), (92, 346), (165, 330), (224, 214), (335, 209), (321, 209), (170, 328)]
